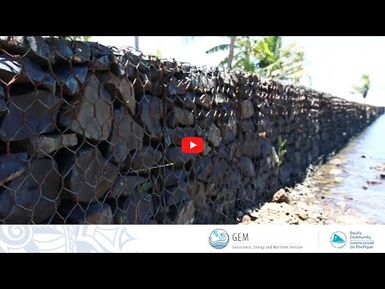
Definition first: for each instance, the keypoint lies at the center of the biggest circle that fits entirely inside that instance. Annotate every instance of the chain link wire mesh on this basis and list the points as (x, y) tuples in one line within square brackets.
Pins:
[(91, 135)]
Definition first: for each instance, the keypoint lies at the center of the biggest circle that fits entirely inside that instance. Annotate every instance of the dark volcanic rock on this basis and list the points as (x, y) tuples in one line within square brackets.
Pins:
[(82, 52), (205, 100), (143, 85), (42, 146), (67, 80), (199, 83), (206, 149), (247, 109), (3, 105), (12, 166), (150, 112), (202, 168), (94, 213), (88, 175), (39, 76), (234, 178), (136, 209), (247, 125), (122, 88), (172, 177), (174, 155), (180, 116), (118, 136), (29, 115), (80, 72), (92, 115), (144, 159), (251, 145), (99, 50), (178, 205), (187, 100), (247, 167), (125, 186), (33, 196), (176, 87), (126, 135), (40, 50), (205, 118), (101, 63), (99, 214), (219, 170), (269, 155), (223, 113), (285, 172), (62, 49), (227, 152), (229, 130), (174, 136), (197, 192), (213, 135)]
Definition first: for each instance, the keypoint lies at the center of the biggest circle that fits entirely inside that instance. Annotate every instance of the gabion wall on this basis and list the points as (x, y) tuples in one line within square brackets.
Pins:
[(90, 134)]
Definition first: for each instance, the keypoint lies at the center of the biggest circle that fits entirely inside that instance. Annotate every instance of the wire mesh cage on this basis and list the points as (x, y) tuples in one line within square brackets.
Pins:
[(92, 135)]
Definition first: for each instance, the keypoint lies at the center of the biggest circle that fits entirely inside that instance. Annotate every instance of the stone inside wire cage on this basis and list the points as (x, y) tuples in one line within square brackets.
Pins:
[(92, 135)]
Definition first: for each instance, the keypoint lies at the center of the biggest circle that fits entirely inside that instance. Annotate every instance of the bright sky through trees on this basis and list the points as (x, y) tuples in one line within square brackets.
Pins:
[(335, 64)]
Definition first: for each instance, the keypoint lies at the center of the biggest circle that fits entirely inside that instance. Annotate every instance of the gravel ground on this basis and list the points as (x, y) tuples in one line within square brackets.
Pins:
[(310, 202)]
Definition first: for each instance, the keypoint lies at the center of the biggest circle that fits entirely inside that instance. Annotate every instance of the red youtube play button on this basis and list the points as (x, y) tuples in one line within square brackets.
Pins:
[(192, 145)]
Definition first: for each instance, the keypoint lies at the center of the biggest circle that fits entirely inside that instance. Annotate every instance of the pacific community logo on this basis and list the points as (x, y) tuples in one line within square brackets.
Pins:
[(338, 239)]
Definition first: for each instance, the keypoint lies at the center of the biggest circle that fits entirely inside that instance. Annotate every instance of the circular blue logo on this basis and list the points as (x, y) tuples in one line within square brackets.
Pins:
[(219, 239), (338, 239)]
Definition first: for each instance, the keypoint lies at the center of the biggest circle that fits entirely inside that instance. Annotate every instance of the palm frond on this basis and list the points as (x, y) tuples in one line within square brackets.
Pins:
[(217, 48)]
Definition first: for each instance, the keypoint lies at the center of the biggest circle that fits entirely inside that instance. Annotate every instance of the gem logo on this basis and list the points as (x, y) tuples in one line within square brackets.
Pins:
[(192, 145), (338, 239), (219, 239)]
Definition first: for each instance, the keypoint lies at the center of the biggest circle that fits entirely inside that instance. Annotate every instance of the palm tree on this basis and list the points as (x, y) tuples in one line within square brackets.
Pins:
[(279, 62), (136, 42), (231, 50), (231, 46), (264, 56)]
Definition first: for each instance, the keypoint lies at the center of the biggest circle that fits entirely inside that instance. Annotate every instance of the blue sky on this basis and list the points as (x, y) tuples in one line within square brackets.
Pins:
[(335, 64)]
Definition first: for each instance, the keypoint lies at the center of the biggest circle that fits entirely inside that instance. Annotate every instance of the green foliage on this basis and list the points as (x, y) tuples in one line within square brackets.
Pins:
[(78, 38), (157, 53), (364, 88), (242, 56), (264, 56), (217, 48), (277, 62), (281, 150)]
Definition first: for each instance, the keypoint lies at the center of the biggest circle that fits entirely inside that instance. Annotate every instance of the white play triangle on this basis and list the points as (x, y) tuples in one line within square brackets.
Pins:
[(192, 145)]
